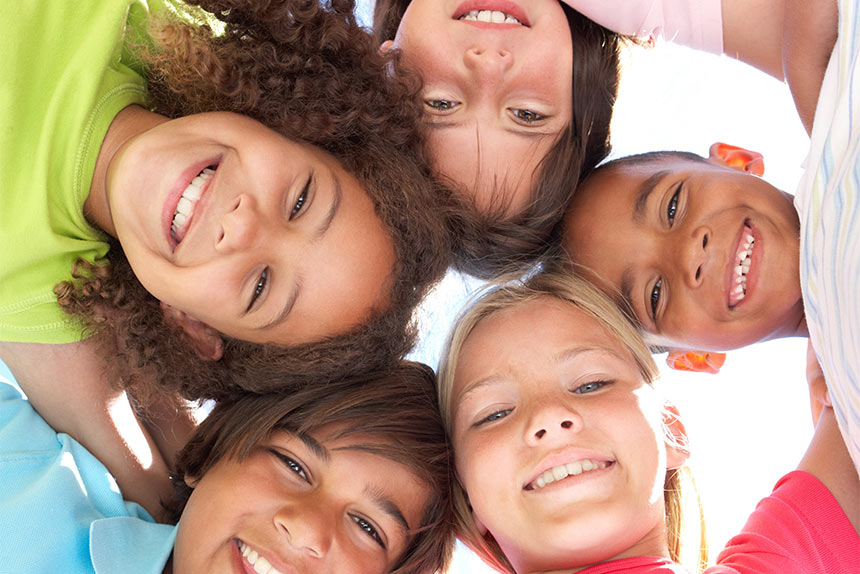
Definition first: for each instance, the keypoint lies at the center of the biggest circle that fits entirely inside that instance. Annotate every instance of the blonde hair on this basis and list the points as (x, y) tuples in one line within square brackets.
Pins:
[(513, 289)]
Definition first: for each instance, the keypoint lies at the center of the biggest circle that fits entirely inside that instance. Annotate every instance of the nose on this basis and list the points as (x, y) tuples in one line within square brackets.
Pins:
[(694, 256), (487, 64), (309, 530), (551, 421), (239, 226)]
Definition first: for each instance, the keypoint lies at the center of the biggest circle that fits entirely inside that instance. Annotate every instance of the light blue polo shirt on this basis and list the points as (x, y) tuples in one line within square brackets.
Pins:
[(60, 509)]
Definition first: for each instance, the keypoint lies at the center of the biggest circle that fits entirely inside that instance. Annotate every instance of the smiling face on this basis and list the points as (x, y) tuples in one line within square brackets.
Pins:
[(257, 236), (558, 439), (313, 504), (497, 89), (706, 255)]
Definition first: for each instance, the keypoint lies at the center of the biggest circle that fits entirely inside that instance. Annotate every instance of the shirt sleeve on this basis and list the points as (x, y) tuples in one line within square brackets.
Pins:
[(694, 23), (799, 528)]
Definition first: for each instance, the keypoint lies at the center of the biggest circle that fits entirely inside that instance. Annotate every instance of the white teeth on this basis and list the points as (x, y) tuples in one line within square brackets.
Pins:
[(260, 564), (185, 207), (743, 261), (564, 470), (494, 16)]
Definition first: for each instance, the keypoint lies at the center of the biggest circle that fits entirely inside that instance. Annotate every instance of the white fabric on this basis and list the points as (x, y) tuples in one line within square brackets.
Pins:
[(827, 201)]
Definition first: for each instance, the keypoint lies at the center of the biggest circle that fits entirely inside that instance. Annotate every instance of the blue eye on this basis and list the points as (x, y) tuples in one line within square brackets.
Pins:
[(291, 464), (369, 529), (497, 415), (656, 292), (672, 207), (258, 289), (589, 387)]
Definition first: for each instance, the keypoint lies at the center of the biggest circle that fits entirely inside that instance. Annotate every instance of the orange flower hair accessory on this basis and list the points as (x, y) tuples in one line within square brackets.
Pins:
[(696, 361)]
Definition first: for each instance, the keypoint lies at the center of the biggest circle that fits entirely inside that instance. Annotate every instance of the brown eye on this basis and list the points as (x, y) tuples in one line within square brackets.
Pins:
[(672, 207), (656, 291)]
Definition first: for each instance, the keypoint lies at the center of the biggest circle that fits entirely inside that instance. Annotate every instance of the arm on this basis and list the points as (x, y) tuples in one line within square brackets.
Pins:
[(752, 33), (827, 458), (66, 384), (810, 30)]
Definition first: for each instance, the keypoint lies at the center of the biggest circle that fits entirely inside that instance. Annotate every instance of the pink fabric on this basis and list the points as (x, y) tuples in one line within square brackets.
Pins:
[(798, 529), (694, 23)]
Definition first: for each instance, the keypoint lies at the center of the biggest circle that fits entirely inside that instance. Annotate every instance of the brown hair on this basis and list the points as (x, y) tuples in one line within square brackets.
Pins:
[(313, 74), (514, 289), (396, 408), (491, 240)]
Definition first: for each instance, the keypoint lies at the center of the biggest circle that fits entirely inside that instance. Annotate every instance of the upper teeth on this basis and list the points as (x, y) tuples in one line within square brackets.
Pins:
[(742, 266), (260, 564), (564, 470), (185, 207), (494, 16)]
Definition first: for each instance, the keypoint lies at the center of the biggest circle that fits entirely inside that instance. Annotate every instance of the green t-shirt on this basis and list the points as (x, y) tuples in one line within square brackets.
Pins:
[(64, 77)]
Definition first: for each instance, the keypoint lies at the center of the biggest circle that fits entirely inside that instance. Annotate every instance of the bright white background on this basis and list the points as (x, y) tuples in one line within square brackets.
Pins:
[(750, 424)]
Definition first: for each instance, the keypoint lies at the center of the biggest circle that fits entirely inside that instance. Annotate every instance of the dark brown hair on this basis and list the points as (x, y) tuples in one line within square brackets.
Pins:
[(310, 72), (396, 410), (489, 242)]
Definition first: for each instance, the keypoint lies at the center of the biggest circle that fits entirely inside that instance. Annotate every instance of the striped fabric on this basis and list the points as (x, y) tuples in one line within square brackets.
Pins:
[(827, 201)]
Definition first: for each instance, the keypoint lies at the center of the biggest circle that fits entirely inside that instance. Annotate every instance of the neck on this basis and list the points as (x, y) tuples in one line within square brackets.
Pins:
[(128, 123)]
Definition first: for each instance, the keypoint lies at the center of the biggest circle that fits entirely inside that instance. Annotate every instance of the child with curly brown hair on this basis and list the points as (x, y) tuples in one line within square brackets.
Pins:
[(517, 101), (243, 207), (356, 480)]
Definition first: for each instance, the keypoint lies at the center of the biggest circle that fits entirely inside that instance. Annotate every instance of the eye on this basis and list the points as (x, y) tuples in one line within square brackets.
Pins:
[(302, 200), (656, 292), (291, 464), (497, 415), (672, 207), (590, 387), (441, 105), (258, 289), (369, 529), (527, 116)]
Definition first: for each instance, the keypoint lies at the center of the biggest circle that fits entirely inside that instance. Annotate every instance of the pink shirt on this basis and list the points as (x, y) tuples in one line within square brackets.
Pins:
[(799, 528), (694, 23)]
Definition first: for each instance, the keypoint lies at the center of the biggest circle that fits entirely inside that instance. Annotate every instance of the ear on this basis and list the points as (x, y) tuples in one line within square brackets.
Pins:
[(677, 443), (205, 341), (695, 361), (386, 47), (737, 158), (191, 481)]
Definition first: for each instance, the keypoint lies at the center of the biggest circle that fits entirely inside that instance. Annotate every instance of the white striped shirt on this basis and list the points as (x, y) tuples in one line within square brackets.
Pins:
[(828, 201)]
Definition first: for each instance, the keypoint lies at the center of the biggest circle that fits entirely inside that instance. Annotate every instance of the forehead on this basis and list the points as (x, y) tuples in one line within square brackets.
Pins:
[(495, 166), (530, 335)]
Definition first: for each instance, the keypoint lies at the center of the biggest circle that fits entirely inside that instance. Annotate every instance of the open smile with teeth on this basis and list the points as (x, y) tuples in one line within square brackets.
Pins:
[(562, 471), (260, 564), (743, 260), (492, 16), (185, 208)]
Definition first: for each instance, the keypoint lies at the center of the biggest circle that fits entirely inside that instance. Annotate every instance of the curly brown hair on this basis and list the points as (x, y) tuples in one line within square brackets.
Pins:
[(310, 72), (490, 241), (396, 408)]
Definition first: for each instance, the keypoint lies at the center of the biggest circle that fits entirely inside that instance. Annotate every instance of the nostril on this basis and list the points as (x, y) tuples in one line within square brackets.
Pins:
[(698, 272), (566, 424), (540, 433), (704, 241)]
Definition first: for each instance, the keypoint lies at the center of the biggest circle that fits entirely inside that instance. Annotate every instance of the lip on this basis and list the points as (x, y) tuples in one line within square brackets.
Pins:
[(506, 6), (242, 566), (755, 262), (563, 457), (176, 192)]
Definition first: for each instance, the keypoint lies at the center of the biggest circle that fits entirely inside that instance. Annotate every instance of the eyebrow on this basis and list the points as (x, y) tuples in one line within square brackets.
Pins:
[(388, 506), (521, 131), (314, 446), (645, 190)]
